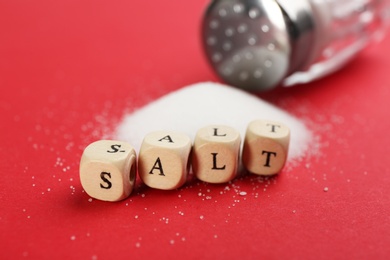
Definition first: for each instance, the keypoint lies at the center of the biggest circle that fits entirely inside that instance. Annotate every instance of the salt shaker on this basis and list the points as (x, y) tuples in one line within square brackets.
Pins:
[(260, 44)]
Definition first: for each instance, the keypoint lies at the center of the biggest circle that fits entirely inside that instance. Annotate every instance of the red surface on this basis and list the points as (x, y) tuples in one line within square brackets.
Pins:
[(69, 70)]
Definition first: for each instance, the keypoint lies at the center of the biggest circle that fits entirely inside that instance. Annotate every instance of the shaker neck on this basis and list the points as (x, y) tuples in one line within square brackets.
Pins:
[(301, 25)]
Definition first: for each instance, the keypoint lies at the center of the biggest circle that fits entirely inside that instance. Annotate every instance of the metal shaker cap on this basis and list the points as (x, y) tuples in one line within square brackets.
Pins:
[(255, 44)]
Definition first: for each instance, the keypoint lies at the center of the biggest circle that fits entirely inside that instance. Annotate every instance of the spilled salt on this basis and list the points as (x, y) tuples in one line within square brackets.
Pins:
[(242, 193), (193, 107)]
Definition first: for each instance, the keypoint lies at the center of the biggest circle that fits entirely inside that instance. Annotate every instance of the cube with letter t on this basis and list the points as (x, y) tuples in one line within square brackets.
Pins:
[(265, 147)]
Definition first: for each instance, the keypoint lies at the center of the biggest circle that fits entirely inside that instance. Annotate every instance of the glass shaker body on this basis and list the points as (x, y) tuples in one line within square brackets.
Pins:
[(343, 28)]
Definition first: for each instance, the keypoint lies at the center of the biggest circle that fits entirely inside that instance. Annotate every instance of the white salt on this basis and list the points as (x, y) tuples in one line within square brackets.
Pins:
[(193, 107), (242, 193)]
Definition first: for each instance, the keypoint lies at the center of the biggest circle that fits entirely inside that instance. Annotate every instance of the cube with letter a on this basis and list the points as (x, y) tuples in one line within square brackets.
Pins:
[(163, 159), (108, 170), (216, 153), (265, 147)]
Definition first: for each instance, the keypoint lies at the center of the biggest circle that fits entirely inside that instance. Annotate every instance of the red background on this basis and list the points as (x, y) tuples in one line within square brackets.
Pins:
[(69, 71)]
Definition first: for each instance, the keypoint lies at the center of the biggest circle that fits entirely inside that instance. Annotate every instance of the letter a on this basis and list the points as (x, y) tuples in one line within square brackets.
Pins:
[(157, 166), (168, 138)]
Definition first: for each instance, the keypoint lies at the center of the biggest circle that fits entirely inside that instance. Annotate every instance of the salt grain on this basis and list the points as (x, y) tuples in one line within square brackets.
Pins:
[(190, 108)]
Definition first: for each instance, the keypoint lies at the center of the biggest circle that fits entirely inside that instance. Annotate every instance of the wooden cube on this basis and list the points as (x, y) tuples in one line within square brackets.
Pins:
[(108, 170), (265, 147), (215, 154), (163, 159)]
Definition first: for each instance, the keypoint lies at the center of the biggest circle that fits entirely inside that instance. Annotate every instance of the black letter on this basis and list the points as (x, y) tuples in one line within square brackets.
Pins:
[(115, 149), (216, 132), (215, 163), (158, 167), (166, 138), (268, 158), (103, 177), (273, 127)]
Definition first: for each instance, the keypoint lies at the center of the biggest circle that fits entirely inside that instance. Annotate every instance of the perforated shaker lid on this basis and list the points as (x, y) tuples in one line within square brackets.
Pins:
[(248, 42)]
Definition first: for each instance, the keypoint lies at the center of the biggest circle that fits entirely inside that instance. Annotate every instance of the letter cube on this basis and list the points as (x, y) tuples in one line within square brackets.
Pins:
[(215, 154), (108, 170), (163, 160), (265, 147)]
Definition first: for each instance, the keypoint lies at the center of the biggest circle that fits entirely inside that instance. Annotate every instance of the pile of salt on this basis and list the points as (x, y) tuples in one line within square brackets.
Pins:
[(193, 107)]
